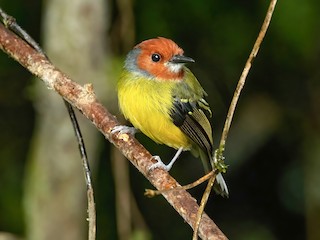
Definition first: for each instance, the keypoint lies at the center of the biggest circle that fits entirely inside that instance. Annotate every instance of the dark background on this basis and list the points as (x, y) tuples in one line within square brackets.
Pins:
[(272, 150)]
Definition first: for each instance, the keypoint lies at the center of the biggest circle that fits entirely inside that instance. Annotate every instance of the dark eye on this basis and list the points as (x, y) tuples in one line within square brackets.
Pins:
[(156, 57)]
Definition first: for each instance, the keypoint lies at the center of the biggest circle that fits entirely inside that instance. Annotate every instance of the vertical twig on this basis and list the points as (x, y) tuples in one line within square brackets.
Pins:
[(202, 205), (232, 108), (245, 72), (87, 173)]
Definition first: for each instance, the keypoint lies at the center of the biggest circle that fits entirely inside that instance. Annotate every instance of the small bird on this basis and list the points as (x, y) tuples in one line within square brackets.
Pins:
[(161, 97)]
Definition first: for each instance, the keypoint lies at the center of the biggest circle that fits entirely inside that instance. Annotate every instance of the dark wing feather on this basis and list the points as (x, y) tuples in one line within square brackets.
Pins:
[(190, 117)]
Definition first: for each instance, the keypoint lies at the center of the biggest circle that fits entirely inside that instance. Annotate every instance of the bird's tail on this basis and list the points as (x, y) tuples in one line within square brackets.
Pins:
[(220, 186)]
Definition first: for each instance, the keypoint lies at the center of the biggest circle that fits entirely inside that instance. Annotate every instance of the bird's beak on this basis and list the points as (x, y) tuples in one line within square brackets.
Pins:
[(181, 59)]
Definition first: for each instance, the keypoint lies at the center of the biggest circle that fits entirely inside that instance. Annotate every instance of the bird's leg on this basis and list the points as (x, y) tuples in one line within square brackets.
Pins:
[(124, 129), (167, 167)]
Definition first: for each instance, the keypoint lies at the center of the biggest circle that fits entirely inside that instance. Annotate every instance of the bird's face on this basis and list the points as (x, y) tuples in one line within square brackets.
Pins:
[(160, 58)]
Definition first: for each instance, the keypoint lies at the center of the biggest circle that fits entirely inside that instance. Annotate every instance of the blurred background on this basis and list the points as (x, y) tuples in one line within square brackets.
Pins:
[(273, 150)]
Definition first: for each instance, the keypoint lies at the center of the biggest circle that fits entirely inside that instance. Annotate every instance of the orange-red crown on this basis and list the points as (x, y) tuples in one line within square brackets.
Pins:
[(166, 49), (165, 46)]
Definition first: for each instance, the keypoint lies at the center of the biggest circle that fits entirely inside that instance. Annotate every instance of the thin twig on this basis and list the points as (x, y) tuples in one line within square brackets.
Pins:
[(151, 193), (11, 24), (87, 173), (233, 104), (203, 203), (82, 148), (245, 72)]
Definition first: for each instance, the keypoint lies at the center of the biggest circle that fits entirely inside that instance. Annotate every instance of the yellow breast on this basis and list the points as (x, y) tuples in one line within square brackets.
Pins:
[(146, 104)]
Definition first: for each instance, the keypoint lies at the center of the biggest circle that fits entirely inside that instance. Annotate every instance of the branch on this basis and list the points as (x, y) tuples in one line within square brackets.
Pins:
[(84, 99)]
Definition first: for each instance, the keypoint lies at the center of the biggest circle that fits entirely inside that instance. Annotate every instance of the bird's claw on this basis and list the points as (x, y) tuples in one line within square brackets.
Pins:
[(159, 164), (124, 129)]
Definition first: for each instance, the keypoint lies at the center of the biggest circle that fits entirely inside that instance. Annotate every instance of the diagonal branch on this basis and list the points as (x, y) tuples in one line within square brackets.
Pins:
[(84, 99)]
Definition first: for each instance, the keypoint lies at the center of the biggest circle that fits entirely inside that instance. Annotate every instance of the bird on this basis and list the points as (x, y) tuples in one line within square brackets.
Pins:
[(162, 98)]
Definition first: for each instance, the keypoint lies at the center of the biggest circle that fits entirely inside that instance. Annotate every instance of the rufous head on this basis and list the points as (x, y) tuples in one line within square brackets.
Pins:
[(159, 58)]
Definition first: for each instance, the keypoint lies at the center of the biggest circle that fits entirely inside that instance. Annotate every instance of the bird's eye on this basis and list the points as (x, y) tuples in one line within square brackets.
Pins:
[(156, 57)]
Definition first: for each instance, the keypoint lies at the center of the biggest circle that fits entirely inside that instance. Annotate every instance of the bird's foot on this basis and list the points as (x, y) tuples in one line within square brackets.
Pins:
[(159, 164), (124, 129)]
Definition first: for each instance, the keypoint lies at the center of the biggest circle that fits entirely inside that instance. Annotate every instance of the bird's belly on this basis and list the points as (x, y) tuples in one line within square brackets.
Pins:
[(150, 112), (163, 131)]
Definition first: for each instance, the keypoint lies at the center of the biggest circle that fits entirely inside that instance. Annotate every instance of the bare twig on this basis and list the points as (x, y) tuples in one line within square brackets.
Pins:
[(245, 72), (10, 22), (152, 193), (87, 173), (84, 99), (203, 203), (233, 104)]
